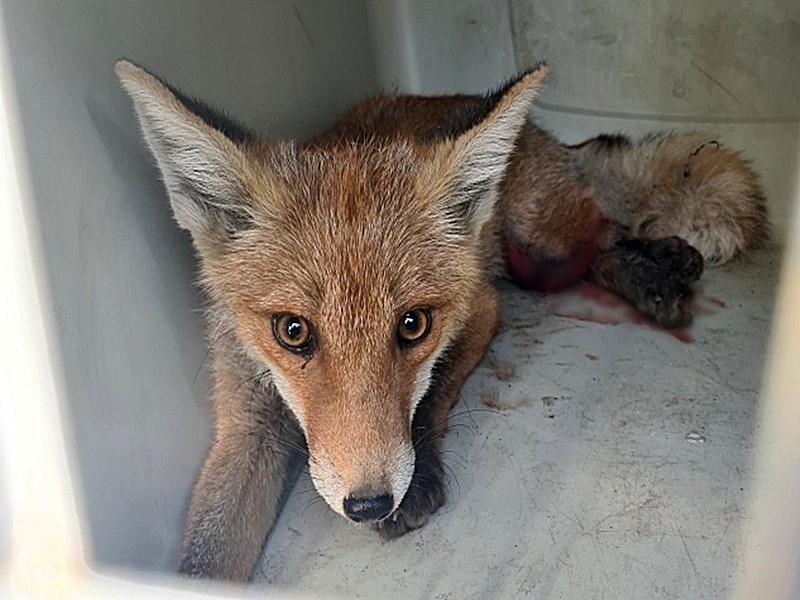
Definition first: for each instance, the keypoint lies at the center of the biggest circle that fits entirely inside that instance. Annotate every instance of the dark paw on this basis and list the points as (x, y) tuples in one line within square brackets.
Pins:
[(667, 302), (654, 275), (672, 254), (423, 498)]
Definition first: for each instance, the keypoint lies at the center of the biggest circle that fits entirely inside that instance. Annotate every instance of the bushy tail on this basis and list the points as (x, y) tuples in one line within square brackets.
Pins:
[(686, 185)]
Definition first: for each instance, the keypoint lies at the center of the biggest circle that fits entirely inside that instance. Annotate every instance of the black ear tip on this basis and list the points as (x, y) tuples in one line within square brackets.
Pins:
[(542, 66), (541, 69), (539, 72), (535, 75)]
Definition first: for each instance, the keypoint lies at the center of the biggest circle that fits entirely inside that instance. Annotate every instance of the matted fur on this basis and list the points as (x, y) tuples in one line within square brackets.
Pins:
[(670, 184)]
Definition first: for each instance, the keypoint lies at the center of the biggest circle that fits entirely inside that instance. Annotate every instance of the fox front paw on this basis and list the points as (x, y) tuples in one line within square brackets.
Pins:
[(423, 498)]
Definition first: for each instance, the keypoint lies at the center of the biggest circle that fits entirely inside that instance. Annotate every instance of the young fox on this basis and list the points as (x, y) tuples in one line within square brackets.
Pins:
[(350, 279)]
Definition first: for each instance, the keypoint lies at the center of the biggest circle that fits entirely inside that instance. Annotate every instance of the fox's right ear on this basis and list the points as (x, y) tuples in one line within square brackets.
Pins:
[(476, 145), (204, 170)]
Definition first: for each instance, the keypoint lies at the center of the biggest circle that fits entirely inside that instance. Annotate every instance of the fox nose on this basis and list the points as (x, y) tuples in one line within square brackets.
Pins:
[(368, 508)]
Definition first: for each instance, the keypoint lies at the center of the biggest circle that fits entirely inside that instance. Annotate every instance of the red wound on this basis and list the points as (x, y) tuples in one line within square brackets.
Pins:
[(549, 275)]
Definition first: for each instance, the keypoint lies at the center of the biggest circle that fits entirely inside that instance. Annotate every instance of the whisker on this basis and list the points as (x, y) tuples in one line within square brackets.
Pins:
[(451, 476), (208, 353), (312, 502), (455, 457)]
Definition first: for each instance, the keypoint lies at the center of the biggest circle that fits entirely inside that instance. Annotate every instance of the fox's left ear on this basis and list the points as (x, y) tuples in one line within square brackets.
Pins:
[(475, 146)]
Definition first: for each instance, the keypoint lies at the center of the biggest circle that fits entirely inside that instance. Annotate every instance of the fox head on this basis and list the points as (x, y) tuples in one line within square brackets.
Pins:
[(346, 269)]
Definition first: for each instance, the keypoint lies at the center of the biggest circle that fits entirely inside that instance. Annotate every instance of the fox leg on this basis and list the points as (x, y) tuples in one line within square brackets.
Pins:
[(551, 227), (237, 495), (569, 213), (653, 274), (427, 491)]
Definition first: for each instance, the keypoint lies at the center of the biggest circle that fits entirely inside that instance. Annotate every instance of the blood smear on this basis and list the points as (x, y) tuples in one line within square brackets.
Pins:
[(588, 302)]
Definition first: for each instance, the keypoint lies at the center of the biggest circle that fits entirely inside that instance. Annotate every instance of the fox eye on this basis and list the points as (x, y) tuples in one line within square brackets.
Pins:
[(293, 333), (413, 326)]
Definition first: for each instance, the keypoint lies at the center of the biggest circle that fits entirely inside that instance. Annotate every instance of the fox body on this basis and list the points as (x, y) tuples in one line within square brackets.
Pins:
[(350, 279)]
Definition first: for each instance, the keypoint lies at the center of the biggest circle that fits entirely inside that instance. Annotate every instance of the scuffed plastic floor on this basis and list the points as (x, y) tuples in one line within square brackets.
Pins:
[(585, 461)]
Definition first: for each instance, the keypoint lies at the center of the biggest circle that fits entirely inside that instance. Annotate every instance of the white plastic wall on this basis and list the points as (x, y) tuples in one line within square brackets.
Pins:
[(442, 47), (127, 324), (128, 318)]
